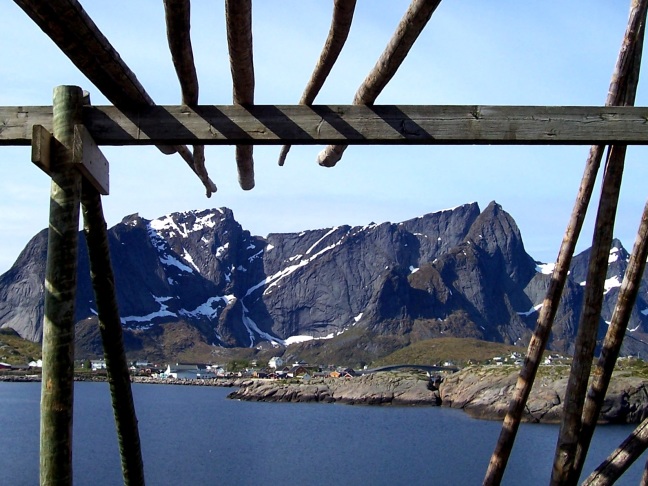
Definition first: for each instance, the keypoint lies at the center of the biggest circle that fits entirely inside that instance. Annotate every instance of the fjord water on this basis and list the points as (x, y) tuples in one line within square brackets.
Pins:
[(194, 436)]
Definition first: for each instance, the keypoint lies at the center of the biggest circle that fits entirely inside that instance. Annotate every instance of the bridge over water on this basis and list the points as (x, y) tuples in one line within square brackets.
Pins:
[(428, 368)]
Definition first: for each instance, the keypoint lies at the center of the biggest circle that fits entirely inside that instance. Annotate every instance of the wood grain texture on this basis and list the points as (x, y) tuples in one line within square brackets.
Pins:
[(350, 124)]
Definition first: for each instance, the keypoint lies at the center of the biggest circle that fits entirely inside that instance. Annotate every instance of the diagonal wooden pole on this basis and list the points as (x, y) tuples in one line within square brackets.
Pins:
[(103, 283), (57, 392), (409, 28), (621, 459), (616, 96), (612, 343), (343, 11)]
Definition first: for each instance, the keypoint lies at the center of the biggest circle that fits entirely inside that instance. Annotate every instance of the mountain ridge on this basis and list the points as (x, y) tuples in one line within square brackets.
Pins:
[(198, 278)]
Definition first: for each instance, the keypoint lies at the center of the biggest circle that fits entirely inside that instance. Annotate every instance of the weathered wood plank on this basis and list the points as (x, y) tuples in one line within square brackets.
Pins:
[(351, 124), (79, 38), (90, 160), (42, 148)]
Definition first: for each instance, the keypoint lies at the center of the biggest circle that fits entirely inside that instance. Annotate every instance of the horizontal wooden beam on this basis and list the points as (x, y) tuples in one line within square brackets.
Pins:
[(348, 124)]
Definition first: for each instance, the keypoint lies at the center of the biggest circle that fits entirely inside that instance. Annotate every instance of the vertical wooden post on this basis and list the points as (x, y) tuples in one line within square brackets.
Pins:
[(60, 292), (103, 282)]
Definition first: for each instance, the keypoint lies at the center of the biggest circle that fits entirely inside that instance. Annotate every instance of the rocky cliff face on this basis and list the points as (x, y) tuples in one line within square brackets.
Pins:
[(459, 272)]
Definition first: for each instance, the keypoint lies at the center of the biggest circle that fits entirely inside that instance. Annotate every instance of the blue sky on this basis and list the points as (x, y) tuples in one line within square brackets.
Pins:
[(472, 52)]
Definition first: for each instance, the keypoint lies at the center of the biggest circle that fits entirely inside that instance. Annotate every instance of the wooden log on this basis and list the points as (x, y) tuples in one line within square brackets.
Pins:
[(408, 30), (564, 467), (612, 343), (338, 32), (238, 20), (103, 283), (60, 290), (348, 124), (499, 459), (621, 459)]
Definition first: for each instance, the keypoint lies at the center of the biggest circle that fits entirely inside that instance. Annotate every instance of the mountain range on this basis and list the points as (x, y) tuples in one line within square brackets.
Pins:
[(197, 281)]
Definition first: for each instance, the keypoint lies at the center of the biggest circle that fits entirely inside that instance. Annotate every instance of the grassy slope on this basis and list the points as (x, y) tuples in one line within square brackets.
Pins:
[(457, 350), (15, 350)]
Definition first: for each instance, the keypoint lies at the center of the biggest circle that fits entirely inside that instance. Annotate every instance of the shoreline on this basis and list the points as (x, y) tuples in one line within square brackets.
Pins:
[(220, 382), (482, 392)]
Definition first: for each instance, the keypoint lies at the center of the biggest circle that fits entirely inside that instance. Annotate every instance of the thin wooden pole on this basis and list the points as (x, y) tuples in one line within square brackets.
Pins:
[(564, 460), (613, 340), (616, 96), (103, 282), (60, 291), (621, 459)]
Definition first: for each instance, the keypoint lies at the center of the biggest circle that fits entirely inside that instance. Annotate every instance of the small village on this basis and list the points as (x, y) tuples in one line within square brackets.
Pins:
[(274, 369)]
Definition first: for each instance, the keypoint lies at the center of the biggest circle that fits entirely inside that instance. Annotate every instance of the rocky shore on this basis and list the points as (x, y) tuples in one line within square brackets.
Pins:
[(374, 389), (482, 392)]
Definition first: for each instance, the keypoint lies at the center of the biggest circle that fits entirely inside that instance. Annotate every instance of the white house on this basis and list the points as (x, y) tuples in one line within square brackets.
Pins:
[(36, 364), (187, 371), (275, 362), (98, 364)]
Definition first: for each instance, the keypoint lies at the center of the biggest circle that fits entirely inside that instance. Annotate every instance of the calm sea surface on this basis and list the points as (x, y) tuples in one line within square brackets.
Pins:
[(195, 436)]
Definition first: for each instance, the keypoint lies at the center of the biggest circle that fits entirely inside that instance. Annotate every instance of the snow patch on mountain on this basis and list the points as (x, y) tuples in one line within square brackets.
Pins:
[(611, 283), (545, 268), (252, 328), (207, 309), (532, 310), (272, 280), (314, 245), (162, 312)]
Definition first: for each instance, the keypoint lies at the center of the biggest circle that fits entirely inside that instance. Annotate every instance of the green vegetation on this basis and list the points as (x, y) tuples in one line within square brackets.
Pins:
[(16, 350), (236, 365)]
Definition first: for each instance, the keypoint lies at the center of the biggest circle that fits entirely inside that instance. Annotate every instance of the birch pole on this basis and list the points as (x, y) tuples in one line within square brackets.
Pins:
[(178, 22), (57, 389), (621, 83), (408, 30), (238, 19), (343, 11), (103, 283)]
